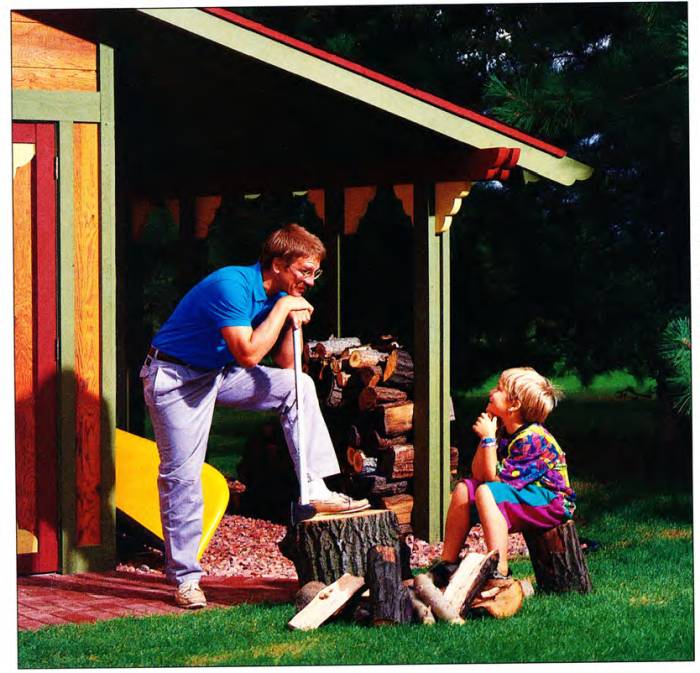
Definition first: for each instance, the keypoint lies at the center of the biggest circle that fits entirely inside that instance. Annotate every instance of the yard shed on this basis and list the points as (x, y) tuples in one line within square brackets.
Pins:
[(114, 110)]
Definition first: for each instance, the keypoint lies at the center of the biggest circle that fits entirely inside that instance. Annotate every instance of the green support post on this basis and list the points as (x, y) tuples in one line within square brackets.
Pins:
[(431, 399)]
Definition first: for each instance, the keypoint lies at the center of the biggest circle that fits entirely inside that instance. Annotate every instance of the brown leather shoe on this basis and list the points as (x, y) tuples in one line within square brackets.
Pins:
[(339, 503)]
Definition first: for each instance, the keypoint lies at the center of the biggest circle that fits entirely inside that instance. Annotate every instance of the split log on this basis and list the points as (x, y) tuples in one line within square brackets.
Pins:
[(336, 365), (558, 560), (350, 455), (335, 346), (354, 438), (501, 598), (422, 614), (396, 462), (306, 594), (427, 592), (310, 352), (394, 419), (375, 442), (401, 506), (371, 396), (363, 464), (378, 486), (371, 376), (327, 602), (389, 598), (328, 545), (469, 578), (399, 371), (365, 357), (385, 343)]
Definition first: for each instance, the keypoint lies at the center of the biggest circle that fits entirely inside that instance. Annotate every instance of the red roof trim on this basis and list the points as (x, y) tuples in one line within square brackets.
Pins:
[(387, 81)]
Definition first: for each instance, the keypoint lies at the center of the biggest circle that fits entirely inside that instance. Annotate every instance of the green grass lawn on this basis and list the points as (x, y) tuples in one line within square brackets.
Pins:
[(641, 609)]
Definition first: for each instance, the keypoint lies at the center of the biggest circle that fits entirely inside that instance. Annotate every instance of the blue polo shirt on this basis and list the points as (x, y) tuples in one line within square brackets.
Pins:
[(233, 296)]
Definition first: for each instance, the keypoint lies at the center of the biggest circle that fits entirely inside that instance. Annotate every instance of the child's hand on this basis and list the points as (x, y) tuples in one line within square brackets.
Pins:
[(485, 425)]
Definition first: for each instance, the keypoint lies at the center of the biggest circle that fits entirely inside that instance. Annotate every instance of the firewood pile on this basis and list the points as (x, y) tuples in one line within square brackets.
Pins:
[(382, 597), (366, 394)]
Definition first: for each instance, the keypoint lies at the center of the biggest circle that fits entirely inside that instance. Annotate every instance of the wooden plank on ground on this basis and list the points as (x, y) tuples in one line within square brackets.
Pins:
[(326, 603)]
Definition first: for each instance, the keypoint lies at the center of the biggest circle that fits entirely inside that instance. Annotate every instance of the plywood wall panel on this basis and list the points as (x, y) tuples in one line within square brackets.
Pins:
[(50, 79), (44, 57), (25, 400), (87, 332)]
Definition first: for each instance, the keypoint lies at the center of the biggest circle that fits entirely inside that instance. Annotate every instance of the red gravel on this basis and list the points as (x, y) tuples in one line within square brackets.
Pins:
[(246, 547)]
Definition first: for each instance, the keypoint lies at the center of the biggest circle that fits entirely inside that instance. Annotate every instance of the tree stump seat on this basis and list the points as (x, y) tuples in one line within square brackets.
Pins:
[(557, 559), (327, 546)]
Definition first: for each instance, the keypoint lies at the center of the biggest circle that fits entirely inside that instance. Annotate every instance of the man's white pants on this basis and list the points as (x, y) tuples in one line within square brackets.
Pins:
[(181, 402)]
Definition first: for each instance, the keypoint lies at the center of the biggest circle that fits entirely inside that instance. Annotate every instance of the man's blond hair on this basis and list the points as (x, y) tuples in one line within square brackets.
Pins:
[(536, 394), (291, 242)]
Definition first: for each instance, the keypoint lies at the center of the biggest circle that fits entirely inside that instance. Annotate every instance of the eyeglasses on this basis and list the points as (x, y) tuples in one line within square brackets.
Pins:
[(306, 273)]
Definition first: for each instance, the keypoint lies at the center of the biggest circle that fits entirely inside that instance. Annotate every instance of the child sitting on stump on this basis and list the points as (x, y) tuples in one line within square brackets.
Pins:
[(519, 477)]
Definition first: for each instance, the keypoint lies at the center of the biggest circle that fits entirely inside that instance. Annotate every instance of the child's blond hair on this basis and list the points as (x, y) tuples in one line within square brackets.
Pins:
[(536, 394)]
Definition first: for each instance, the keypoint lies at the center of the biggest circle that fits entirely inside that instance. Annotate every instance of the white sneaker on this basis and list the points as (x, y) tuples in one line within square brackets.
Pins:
[(190, 596), (339, 503)]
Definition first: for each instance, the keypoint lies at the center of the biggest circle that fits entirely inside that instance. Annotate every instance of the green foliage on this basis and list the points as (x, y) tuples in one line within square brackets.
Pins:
[(641, 609), (675, 349)]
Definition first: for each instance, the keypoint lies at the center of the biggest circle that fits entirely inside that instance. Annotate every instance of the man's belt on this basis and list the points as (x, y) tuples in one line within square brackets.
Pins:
[(157, 354)]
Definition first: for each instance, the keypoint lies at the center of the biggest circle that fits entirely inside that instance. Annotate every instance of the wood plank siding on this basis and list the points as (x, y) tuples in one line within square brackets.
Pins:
[(86, 218), (46, 58), (24, 278)]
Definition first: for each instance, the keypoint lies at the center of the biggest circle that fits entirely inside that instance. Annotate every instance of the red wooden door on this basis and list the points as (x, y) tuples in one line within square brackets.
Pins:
[(34, 253)]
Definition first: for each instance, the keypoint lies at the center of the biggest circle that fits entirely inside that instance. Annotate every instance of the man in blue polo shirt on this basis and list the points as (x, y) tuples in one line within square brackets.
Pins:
[(208, 353)]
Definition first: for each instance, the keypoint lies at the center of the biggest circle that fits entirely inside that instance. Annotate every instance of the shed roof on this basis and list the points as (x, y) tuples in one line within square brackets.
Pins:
[(370, 88)]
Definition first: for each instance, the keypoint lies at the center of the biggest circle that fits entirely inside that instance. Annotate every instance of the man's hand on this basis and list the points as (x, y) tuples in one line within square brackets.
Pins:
[(485, 425), (299, 311)]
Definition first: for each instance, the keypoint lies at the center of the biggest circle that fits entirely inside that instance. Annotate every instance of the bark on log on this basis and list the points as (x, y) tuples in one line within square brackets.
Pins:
[(399, 370), (378, 486), (327, 546), (365, 357), (396, 462), (394, 419), (390, 599), (335, 346), (427, 592), (364, 464), (558, 560), (371, 396), (373, 441)]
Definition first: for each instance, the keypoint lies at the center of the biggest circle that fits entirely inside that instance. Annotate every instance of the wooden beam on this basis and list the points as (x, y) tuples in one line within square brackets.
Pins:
[(428, 411), (66, 346), (55, 105), (108, 297)]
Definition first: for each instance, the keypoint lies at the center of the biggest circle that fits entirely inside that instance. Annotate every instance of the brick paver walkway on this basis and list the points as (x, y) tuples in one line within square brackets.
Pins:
[(45, 600)]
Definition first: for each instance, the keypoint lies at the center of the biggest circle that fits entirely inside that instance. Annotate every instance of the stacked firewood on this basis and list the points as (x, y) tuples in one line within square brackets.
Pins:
[(366, 393)]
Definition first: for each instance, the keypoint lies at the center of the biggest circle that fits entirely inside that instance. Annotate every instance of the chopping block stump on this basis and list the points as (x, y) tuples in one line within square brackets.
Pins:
[(558, 560), (327, 546)]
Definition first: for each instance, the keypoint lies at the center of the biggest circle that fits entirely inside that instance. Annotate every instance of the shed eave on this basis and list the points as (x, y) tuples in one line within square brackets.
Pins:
[(358, 85)]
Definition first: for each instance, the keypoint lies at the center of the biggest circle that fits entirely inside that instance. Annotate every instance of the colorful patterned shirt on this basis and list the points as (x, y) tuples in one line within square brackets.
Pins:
[(531, 455)]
